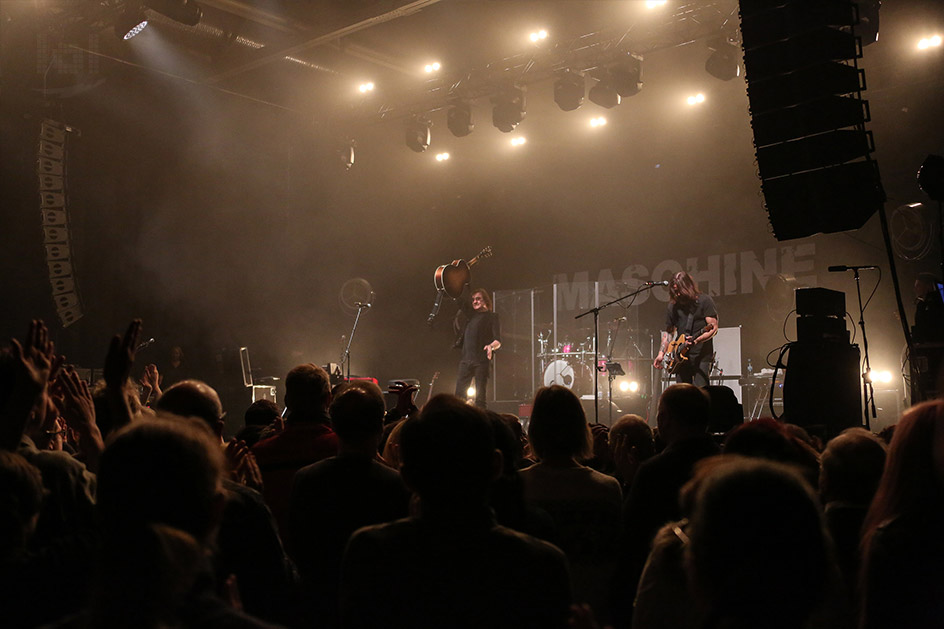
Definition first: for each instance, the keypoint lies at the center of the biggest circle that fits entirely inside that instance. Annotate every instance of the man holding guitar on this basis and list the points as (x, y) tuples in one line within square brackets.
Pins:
[(693, 316), (480, 337)]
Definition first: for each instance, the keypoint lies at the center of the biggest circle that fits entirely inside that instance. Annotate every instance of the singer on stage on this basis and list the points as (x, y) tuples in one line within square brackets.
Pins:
[(693, 313), (477, 338)]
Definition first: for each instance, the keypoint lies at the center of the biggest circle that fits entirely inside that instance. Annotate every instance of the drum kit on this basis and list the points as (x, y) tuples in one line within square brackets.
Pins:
[(569, 364)]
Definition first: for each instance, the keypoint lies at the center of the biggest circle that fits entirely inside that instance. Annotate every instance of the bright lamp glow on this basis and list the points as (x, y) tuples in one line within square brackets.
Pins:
[(633, 386), (652, 4), (599, 121), (470, 392), (432, 67), (697, 99), (441, 157), (518, 141), (929, 42), (366, 87), (537, 36), (883, 376), (624, 386)]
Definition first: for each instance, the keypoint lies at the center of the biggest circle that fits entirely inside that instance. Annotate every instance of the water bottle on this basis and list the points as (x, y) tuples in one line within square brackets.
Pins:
[(750, 368)]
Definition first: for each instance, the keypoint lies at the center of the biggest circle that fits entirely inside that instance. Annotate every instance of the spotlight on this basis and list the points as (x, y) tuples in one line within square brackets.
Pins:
[(417, 134), (652, 4), (363, 88), (624, 386), (867, 28), (882, 376), (441, 157), (697, 99), (604, 94), (518, 141), (723, 63), (569, 91), (129, 23), (929, 42), (470, 393), (599, 121), (432, 67), (183, 11), (626, 76), (537, 36), (459, 119), (634, 386), (509, 109)]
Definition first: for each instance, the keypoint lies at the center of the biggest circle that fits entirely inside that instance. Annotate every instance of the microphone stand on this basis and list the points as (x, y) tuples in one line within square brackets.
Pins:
[(868, 392), (596, 341), (346, 356)]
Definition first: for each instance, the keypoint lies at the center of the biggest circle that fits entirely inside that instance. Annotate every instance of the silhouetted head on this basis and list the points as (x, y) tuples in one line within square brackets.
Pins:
[(164, 470), (307, 390), (448, 455), (766, 438), (357, 413), (261, 413), (758, 552), (852, 466), (558, 428), (193, 398), (637, 434), (684, 411), (21, 497)]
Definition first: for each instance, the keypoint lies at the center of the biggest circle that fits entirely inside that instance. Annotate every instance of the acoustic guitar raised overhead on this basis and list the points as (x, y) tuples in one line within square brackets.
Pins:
[(452, 278)]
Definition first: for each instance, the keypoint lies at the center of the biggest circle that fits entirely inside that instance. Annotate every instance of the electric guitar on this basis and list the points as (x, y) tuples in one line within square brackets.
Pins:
[(452, 278), (676, 354)]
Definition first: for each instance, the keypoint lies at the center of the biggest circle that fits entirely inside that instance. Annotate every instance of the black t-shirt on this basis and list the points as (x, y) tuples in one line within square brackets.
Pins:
[(482, 329), (691, 319)]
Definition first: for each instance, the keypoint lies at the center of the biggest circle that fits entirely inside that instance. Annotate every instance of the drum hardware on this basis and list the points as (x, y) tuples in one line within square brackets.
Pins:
[(613, 369)]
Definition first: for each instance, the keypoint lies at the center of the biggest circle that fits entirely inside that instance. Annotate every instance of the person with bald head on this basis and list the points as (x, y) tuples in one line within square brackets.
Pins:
[(248, 543)]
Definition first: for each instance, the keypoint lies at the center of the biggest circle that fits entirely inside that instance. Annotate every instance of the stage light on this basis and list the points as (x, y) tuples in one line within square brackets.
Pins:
[(441, 157), (518, 141), (459, 119), (624, 386), (470, 393), (509, 109), (537, 36), (697, 99), (652, 4), (569, 91), (599, 121), (417, 134), (183, 11), (432, 67), (882, 376), (366, 87), (723, 63), (929, 42), (626, 76), (634, 386), (604, 94), (129, 23)]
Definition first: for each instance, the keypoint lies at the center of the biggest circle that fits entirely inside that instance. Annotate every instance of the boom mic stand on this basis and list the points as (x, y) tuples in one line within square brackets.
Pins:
[(596, 340), (346, 356)]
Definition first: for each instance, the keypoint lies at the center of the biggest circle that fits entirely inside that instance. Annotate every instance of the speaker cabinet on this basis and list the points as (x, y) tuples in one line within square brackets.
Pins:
[(821, 388)]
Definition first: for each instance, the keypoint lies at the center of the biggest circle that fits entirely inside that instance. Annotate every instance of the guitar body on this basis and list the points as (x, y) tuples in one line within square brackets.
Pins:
[(676, 354), (452, 278)]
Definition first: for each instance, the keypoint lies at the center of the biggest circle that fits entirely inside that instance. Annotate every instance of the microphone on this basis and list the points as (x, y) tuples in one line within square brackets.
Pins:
[(842, 267), (662, 283), (144, 344)]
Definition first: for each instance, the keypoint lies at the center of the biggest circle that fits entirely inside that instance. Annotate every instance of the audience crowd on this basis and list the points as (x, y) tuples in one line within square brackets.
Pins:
[(123, 505)]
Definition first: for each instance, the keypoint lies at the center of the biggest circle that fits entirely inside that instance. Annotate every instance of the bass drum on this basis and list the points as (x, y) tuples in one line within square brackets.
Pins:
[(573, 375)]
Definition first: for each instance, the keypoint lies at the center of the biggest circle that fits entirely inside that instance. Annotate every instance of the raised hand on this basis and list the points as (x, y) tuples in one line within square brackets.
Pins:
[(78, 410), (120, 357), (32, 367), (405, 393)]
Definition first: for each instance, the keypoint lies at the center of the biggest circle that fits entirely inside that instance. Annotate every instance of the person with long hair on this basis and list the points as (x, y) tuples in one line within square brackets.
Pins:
[(901, 581), (694, 314), (478, 332)]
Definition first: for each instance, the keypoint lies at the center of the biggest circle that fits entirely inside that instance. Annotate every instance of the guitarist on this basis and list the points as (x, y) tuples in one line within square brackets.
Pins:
[(478, 338), (693, 313)]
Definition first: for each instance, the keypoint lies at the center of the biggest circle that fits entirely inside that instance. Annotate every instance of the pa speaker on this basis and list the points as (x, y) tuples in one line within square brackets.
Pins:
[(821, 387)]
